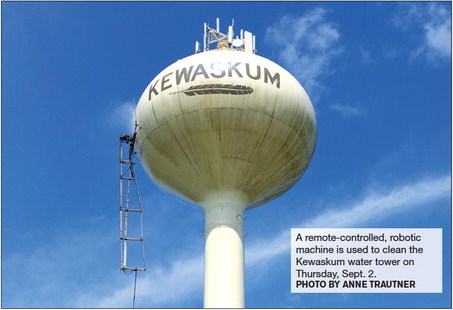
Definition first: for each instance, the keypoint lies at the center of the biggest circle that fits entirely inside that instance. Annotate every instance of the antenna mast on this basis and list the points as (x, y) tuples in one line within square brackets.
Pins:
[(245, 43)]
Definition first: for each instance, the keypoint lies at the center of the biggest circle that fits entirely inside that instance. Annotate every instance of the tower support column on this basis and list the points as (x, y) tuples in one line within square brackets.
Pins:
[(224, 255)]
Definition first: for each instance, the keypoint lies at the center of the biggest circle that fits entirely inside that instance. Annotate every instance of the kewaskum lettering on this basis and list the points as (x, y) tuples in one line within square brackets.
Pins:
[(215, 70)]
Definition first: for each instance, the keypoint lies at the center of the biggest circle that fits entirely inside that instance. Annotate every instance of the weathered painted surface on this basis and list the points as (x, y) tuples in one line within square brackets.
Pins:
[(226, 121)]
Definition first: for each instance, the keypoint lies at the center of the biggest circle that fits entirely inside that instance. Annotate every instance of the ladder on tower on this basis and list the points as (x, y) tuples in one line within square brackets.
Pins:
[(129, 210)]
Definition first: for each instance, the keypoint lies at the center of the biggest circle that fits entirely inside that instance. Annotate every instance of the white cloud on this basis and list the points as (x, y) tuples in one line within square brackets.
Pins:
[(390, 52), (53, 274), (433, 23), (306, 46), (170, 286), (379, 205), (123, 116), (438, 37), (407, 15), (373, 206), (365, 55), (162, 287), (347, 110)]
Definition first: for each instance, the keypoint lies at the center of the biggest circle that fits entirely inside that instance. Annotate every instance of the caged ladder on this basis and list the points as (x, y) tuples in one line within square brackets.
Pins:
[(128, 181)]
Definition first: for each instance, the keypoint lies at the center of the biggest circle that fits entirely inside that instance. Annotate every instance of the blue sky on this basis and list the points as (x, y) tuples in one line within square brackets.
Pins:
[(379, 76)]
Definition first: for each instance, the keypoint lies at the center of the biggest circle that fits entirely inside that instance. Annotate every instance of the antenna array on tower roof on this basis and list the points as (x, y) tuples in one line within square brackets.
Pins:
[(245, 42)]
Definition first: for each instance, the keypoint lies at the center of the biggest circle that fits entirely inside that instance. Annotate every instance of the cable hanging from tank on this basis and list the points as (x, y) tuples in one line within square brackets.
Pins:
[(128, 212)]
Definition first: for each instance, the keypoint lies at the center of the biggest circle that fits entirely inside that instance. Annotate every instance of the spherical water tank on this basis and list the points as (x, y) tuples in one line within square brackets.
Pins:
[(225, 123)]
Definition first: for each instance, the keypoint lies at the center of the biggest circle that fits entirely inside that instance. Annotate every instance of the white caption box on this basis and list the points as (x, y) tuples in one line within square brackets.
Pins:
[(350, 260)]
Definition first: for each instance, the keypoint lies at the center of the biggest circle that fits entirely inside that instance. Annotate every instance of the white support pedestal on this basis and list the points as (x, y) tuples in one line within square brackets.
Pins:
[(224, 254)]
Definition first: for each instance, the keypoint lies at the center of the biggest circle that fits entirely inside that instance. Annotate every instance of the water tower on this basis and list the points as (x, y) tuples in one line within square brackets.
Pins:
[(228, 131)]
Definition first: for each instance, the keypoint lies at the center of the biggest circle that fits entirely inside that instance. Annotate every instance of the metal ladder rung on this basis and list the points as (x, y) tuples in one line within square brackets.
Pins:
[(131, 210), (127, 162), (133, 269), (131, 239), (126, 178)]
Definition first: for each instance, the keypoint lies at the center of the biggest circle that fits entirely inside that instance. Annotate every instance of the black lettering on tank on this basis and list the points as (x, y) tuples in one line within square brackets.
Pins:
[(152, 89), (218, 71), (258, 72), (183, 73), (275, 78), (232, 68), (165, 79), (198, 71), (221, 73)]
